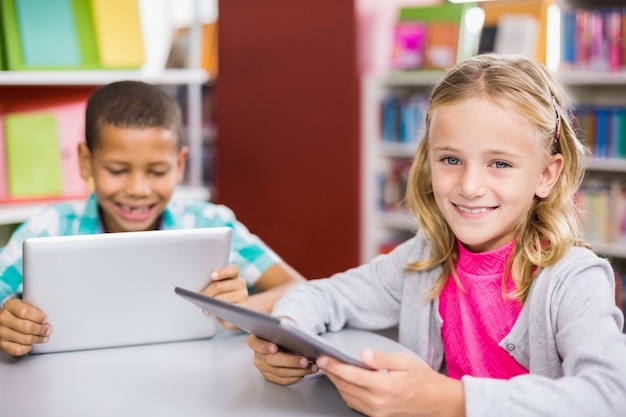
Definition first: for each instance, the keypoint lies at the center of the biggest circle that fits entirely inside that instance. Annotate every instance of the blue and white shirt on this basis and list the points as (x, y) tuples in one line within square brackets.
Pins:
[(81, 217)]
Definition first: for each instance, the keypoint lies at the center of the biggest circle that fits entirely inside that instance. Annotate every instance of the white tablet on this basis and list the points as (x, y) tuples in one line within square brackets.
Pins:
[(282, 332), (115, 289)]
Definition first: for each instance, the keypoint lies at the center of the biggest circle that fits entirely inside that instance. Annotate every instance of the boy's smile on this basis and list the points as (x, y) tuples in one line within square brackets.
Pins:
[(135, 172)]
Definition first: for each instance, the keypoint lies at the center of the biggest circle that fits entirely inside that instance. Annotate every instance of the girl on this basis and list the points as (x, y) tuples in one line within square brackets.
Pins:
[(511, 312)]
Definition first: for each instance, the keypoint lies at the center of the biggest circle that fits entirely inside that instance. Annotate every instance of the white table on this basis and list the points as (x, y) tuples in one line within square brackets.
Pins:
[(213, 377)]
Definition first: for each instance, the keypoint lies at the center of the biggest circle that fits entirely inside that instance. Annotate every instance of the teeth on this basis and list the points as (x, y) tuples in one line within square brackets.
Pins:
[(135, 210), (473, 211)]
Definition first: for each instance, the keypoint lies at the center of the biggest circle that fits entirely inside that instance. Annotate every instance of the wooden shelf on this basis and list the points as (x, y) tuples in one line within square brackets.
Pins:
[(101, 77), (612, 250), (413, 78), (591, 78), (12, 213), (617, 165), (399, 150)]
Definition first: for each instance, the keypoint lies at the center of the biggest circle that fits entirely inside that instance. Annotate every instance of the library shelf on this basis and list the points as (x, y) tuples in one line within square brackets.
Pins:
[(101, 77)]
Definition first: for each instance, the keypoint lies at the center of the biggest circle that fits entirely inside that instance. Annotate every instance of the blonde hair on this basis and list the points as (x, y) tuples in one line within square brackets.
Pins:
[(524, 87)]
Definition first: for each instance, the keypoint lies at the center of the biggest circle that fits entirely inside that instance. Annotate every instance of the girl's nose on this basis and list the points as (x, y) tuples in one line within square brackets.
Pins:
[(472, 183)]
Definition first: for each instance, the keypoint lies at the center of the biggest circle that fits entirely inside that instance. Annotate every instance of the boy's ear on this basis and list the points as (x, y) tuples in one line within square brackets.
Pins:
[(181, 163), (550, 175), (84, 161)]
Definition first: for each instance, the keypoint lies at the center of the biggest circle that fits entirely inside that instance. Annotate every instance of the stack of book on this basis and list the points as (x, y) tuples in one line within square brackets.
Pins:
[(604, 129), (593, 39), (71, 34), (603, 201), (428, 37)]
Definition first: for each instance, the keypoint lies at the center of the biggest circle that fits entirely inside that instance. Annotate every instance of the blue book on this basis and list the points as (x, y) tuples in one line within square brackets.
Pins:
[(603, 130), (47, 32), (616, 120), (568, 34)]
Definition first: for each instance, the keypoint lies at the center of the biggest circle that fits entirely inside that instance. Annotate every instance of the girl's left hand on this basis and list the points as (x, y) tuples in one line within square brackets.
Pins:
[(402, 384), (227, 285)]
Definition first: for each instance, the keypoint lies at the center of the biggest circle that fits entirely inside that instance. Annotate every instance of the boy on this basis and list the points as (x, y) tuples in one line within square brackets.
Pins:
[(134, 155)]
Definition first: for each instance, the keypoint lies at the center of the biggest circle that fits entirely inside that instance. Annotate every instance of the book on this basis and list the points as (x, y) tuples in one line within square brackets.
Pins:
[(119, 38), (76, 36), (408, 47), (32, 155), (448, 39), (603, 130), (3, 167), (209, 58), (86, 34), (2, 49), (47, 32), (11, 37), (517, 34), (441, 45), (71, 130), (535, 9), (178, 56)]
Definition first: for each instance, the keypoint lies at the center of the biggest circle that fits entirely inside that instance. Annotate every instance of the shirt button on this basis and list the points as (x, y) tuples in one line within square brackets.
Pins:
[(510, 347)]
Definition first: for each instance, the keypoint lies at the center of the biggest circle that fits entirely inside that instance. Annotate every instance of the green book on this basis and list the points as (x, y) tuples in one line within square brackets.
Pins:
[(86, 34), (33, 155), (3, 64), (11, 37)]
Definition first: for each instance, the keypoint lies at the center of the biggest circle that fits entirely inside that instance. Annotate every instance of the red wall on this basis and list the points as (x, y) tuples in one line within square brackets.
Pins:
[(287, 103)]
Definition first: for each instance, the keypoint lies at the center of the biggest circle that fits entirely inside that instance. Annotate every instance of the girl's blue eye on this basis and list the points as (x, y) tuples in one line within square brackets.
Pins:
[(451, 160), (500, 164)]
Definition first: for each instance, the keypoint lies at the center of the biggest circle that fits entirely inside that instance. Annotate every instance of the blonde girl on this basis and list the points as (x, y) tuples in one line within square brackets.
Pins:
[(509, 311)]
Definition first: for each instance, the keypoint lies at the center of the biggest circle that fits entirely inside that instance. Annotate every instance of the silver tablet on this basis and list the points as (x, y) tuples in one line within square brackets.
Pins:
[(115, 289), (282, 332)]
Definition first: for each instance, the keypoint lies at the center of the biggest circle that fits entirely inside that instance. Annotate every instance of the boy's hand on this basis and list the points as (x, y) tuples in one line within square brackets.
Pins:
[(21, 326), (276, 366), (227, 285)]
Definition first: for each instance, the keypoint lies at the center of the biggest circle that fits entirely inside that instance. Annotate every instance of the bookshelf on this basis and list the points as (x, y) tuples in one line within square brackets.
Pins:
[(384, 226), (192, 80), (598, 81)]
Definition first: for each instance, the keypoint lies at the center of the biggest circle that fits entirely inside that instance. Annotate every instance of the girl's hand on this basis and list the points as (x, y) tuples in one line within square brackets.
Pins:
[(276, 366), (21, 326), (227, 285), (401, 385)]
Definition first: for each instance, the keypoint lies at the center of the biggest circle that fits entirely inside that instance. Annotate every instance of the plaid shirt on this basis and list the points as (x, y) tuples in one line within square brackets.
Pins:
[(81, 217)]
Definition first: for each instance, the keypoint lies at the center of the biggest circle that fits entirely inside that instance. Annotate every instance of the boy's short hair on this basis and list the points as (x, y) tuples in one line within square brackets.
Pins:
[(131, 104)]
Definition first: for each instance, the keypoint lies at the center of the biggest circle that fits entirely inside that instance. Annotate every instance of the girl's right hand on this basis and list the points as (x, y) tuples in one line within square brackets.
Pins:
[(21, 326), (279, 367)]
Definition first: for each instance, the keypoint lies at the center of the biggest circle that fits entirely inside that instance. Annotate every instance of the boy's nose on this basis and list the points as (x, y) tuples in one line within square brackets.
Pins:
[(138, 185)]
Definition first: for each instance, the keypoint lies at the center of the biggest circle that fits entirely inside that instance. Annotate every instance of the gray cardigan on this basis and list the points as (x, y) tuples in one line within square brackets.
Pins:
[(569, 333)]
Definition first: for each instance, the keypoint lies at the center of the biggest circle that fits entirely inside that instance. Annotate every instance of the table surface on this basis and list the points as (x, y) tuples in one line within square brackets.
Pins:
[(212, 377)]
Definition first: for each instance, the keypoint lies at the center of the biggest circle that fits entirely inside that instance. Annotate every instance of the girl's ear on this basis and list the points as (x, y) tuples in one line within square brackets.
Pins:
[(181, 163), (84, 161), (550, 176)]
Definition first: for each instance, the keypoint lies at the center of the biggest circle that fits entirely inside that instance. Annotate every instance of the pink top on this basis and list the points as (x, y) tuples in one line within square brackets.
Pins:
[(477, 319)]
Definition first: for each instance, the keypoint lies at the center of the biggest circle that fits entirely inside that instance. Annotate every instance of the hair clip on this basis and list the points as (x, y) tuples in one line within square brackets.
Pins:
[(557, 129)]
